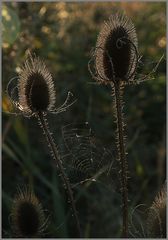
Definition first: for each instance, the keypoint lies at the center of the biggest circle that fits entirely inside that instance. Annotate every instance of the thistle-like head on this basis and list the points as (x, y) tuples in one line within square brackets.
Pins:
[(35, 86), (27, 217), (34, 92), (116, 53)]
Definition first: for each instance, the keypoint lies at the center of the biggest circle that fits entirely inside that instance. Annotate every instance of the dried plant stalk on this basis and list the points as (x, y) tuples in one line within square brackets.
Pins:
[(44, 125), (115, 63), (118, 105)]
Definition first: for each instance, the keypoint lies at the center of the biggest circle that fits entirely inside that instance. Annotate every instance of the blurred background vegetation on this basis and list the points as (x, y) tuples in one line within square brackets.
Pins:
[(63, 34)]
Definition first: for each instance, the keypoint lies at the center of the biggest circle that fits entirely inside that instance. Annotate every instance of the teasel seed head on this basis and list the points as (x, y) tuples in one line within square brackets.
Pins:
[(35, 86), (156, 222), (27, 217), (116, 50)]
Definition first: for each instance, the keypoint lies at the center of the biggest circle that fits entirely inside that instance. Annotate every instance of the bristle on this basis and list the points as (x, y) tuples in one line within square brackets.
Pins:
[(36, 87), (156, 222), (27, 216), (116, 49)]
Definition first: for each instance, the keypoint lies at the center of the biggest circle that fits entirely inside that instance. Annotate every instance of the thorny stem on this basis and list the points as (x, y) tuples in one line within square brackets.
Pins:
[(44, 124), (121, 155)]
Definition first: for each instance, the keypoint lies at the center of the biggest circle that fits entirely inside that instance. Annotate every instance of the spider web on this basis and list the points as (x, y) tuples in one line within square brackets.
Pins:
[(137, 221), (85, 158), (12, 89), (147, 69)]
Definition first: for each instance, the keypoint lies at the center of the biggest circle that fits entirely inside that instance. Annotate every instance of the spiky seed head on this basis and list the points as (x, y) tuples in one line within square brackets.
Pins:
[(36, 86), (116, 46), (27, 217), (156, 222)]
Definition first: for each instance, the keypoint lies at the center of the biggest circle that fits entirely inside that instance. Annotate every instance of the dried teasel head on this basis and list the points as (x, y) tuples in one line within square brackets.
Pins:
[(27, 217), (34, 92), (156, 222), (116, 55), (35, 86)]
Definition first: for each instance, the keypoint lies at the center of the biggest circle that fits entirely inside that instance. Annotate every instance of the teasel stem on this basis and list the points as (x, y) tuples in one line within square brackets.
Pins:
[(117, 92), (44, 124)]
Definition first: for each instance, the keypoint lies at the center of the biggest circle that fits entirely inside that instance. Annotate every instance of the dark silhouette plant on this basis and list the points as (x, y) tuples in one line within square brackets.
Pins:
[(36, 97), (115, 63), (116, 60), (27, 215)]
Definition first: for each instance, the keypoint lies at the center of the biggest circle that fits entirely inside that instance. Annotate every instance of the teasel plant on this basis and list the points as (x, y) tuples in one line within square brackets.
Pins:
[(156, 220), (114, 62), (34, 95), (27, 217)]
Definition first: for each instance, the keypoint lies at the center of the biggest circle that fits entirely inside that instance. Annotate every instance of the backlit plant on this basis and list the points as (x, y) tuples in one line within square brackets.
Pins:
[(27, 215), (115, 62), (36, 97)]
